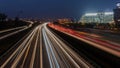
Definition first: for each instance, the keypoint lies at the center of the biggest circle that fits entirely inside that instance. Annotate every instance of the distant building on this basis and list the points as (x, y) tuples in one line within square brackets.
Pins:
[(64, 20), (117, 15), (100, 17)]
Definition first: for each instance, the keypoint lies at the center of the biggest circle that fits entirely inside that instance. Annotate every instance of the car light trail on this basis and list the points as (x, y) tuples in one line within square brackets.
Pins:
[(36, 44), (104, 45)]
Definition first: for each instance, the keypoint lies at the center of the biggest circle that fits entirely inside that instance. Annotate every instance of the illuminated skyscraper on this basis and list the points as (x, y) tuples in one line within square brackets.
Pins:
[(117, 15)]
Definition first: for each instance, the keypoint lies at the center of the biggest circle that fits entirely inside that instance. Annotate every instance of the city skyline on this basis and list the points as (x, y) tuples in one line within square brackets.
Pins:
[(54, 8)]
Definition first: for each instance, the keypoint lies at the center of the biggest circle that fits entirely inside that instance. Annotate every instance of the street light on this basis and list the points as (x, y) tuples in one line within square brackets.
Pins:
[(118, 5)]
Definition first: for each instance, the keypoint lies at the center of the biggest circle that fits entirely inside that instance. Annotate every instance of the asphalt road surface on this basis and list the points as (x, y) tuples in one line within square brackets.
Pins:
[(41, 48)]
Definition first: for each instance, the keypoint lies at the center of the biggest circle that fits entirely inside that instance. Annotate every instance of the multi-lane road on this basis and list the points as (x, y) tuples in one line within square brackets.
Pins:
[(10, 36), (42, 48), (105, 54)]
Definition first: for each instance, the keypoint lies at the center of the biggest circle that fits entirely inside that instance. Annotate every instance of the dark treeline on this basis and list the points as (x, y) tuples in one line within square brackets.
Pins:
[(6, 23)]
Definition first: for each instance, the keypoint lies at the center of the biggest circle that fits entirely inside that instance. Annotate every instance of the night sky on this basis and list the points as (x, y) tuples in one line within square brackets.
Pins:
[(54, 8)]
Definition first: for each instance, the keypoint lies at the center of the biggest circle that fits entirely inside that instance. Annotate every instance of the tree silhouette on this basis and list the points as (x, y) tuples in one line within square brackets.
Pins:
[(2, 16)]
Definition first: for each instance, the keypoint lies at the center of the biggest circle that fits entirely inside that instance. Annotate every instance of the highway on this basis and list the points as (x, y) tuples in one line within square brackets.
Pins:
[(104, 53), (111, 47), (42, 48), (9, 32), (101, 34), (12, 31), (10, 36)]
